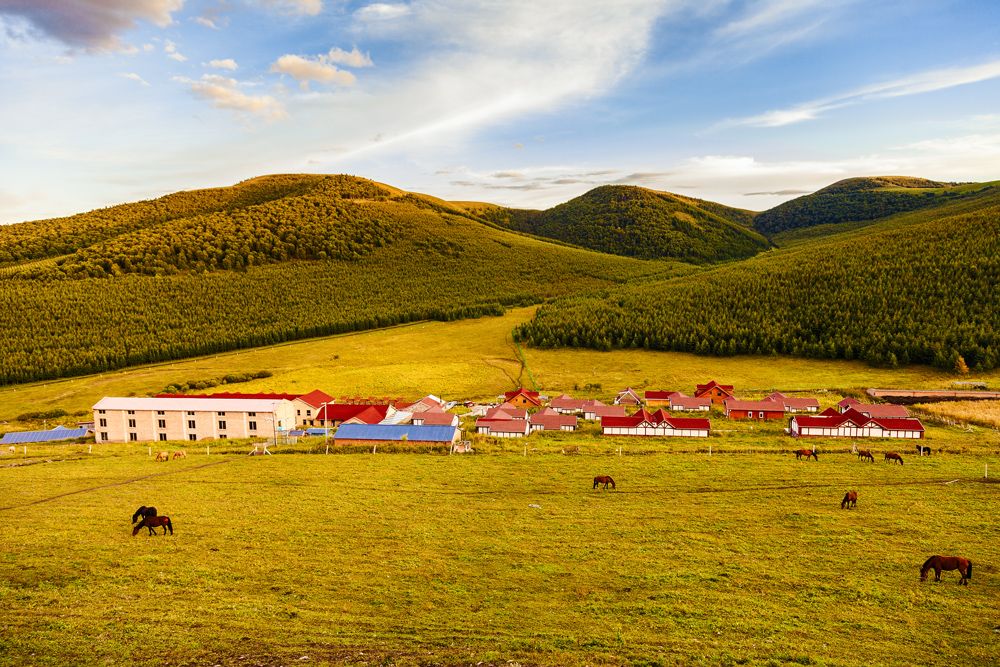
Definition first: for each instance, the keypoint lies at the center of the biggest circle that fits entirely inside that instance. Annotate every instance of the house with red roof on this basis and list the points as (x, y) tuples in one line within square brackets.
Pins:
[(794, 404), (503, 428), (682, 402), (597, 410), (853, 424), (522, 398), (658, 423), (550, 420), (657, 397), (715, 391), (567, 405), (433, 417), (756, 410), (874, 409), (334, 414), (628, 396)]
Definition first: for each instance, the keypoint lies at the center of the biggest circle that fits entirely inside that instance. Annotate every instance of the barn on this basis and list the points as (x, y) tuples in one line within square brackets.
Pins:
[(718, 393), (853, 424), (757, 410), (659, 423)]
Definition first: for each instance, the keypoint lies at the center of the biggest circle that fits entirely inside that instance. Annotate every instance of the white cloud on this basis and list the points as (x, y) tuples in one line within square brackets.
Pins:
[(382, 11), (91, 24), (224, 93), (132, 76), (171, 50), (352, 58), (206, 22), (303, 7), (225, 63), (914, 84), (304, 70)]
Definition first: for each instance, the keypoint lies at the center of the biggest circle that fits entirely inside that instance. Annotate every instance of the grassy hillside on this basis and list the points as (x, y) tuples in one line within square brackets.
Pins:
[(919, 288), (636, 222), (859, 199), (347, 255)]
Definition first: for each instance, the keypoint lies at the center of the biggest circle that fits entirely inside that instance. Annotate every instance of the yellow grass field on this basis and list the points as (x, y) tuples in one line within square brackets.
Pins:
[(983, 413)]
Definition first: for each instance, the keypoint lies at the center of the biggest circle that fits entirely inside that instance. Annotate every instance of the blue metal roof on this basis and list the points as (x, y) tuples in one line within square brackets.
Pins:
[(318, 431), (396, 432), (58, 433)]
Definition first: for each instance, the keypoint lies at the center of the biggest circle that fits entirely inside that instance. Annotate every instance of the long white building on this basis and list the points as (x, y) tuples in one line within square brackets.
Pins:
[(161, 419)]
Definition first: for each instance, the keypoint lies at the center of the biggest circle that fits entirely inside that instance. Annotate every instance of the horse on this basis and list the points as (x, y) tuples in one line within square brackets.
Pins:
[(923, 451), (866, 454), (605, 480), (893, 456), (850, 500), (152, 522), (571, 450), (799, 453), (163, 456), (180, 454), (963, 565), (143, 512)]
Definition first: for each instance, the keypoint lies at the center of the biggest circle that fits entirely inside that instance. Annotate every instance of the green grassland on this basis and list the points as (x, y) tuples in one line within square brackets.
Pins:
[(472, 358), (408, 560)]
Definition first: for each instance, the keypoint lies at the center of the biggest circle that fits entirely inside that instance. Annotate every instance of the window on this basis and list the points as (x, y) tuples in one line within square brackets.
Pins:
[(309, 413), (222, 425), (100, 412), (162, 423), (253, 426), (104, 422), (251, 414), (131, 423), (131, 412), (191, 423), (163, 437), (133, 436), (761, 414), (192, 436), (221, 414), (749, 413), (298, 412), (104, 435), (160, 412), (190, 413), (223, 436)]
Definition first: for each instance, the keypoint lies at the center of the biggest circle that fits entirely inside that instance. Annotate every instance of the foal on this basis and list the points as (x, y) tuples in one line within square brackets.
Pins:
[(850, 500)]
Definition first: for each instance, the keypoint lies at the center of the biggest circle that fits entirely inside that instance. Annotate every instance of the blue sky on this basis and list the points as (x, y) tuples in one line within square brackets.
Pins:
[(522, 103)]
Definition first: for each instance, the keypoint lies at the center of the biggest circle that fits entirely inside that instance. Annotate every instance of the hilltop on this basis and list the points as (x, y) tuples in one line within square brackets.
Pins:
[(636, 222), (862, 199)]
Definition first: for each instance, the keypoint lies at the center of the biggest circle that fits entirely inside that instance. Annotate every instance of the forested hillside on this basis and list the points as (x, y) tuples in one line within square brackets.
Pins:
[(858, 199), (636, 222), (920, 288), (344, 255)]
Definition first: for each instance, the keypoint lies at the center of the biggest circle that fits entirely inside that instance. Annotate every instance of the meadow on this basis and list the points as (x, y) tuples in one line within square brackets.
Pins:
[(496, 558)]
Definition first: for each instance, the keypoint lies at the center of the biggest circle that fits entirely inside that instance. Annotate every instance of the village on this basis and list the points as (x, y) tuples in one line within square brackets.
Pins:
[(279, 417)]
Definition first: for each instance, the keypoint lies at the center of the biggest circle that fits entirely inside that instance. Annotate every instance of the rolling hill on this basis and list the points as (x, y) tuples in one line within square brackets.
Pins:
[(863, 199), (636, 222)]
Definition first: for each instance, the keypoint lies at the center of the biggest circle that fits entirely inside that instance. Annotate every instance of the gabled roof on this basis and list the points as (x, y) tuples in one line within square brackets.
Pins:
[(340, 412), (829, 412), (504, 425), (848, 402), (858, 419), (506, 411), (657, 395), (702, 388), (766, 406), (655, 419), (568, 402), (629, 391), (606, 410), (530, 396), (399, 432), (677, 398), (549, 419), (794, 402), (882, 410), (370, 415), (435, 418), (316, 398)]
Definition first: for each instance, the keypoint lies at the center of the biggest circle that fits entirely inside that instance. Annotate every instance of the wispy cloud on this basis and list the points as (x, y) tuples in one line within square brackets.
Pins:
[(171, 50), (305, 69), (914, 84), (382, 11), (224, 63), (224, 93), (132, 76), (93, 25)]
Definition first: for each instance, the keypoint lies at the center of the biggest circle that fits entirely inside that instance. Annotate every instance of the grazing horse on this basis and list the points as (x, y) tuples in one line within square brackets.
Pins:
[(180, 454), (799, 453), (143, 512), (963, 565), (866, 454), (605, 480), (893, 456), (163, 456), (923, 451), (850, 500), (152, 522)]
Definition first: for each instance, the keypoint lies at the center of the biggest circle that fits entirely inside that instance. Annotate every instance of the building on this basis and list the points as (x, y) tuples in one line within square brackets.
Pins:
[(503, 428), (853, 424), (373, 434), (550, 420), (627, 396), (159, 419), (568, 405), (522, 398), (434, 418), (334, 414), (52, 435), (718, 393), (657, 398), (793, 404), (658, 423), (873, 409), (758, 410), (306, 405), (682, 402), (599, 410)]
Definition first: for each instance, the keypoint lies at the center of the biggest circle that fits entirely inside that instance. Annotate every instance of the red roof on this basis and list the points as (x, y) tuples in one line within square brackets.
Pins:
[(658, 395), (225, 394), (793, 402), (339, 412), (702, 388), (607, 410), (316, 398), (550, 420), (689, 402), (765, 406), (506, 411), (882, 410), (568, 402), (531, 396), (656, 418), (503, 425), (370, 415), (829, 412), (859, 420), (435, 418)]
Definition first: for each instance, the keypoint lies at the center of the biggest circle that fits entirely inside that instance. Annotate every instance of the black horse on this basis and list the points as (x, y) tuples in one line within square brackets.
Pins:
[(923, 451), (143, 512)]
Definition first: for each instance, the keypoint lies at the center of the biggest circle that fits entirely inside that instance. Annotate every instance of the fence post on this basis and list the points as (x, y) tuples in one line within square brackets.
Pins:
[(90, 449), (149, 451), (208, 451), (986, 470)]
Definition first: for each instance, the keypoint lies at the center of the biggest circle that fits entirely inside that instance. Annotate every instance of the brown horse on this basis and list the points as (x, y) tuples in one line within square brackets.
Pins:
[(605, 480), (799, 453), (152, 522), (162, 456), (866, 454), (143, 512), (180, 454), (850, 500), (893, 456), (938, 563)]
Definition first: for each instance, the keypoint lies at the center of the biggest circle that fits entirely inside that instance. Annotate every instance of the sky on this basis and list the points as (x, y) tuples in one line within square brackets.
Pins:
[(522, 103)]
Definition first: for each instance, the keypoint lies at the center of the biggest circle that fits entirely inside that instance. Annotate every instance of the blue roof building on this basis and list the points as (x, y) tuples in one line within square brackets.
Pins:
[(396, 433), (58, 433)]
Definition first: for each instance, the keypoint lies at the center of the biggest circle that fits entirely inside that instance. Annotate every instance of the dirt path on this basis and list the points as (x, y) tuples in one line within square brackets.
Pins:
[(107, 486)]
